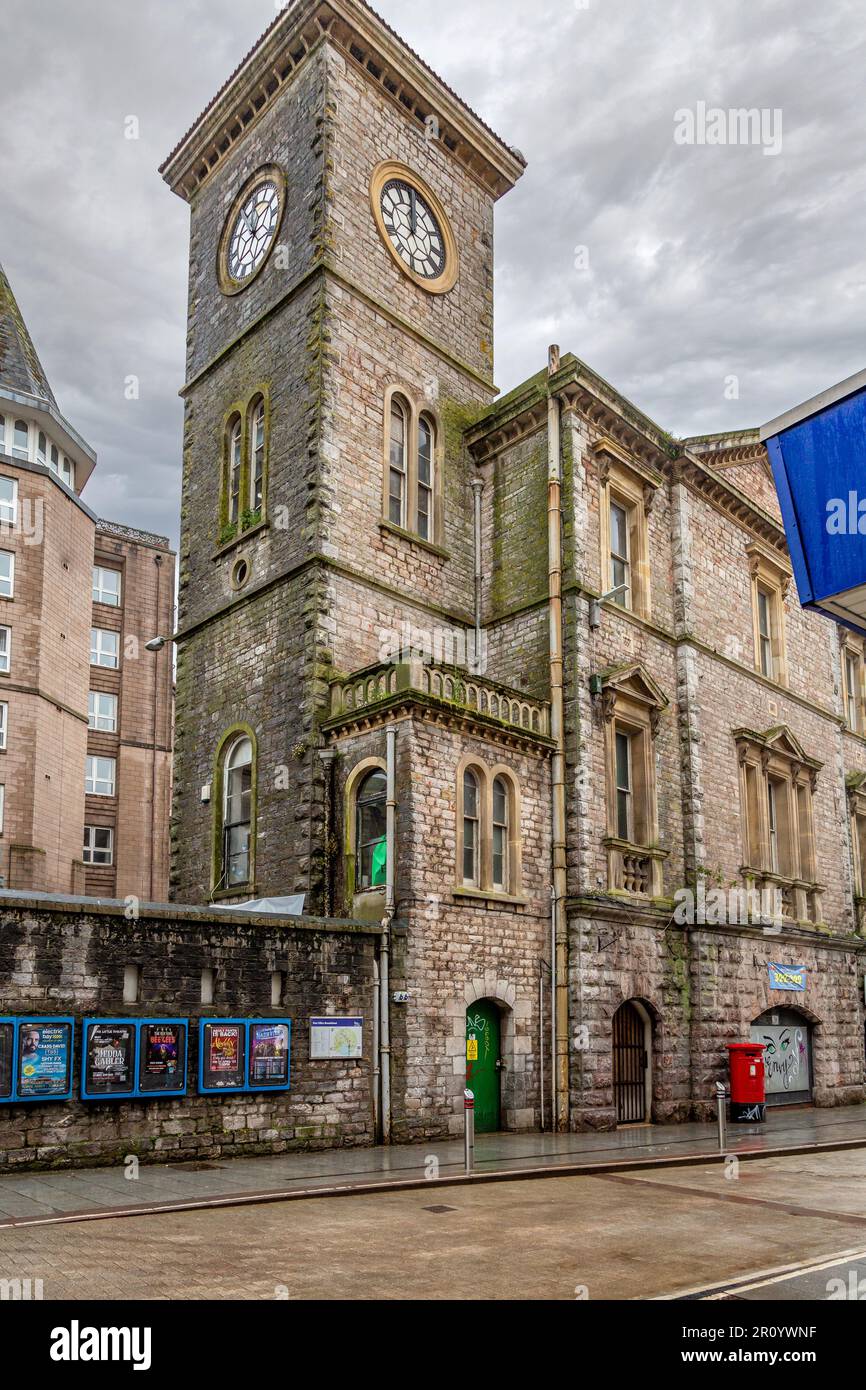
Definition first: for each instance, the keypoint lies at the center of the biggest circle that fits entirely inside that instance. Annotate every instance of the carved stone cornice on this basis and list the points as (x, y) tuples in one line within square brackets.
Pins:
[(367, 43)]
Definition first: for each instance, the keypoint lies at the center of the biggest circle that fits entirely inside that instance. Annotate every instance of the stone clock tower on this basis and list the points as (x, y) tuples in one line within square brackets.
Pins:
[(339, 343)]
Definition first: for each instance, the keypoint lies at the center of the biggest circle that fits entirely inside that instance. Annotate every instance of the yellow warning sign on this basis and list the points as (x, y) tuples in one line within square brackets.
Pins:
[(472, 1049)]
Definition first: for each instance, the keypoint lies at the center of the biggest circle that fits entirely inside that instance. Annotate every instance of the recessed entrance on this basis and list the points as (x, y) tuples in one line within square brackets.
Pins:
[(483, 1064), (632, 1052), (787, 1038)]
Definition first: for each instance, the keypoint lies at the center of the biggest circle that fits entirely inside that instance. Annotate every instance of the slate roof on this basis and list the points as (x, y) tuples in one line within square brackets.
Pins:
[(20, 368)]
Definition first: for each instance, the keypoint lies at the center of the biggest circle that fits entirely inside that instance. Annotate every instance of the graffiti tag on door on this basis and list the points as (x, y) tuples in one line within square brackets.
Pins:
[(786, 1060)]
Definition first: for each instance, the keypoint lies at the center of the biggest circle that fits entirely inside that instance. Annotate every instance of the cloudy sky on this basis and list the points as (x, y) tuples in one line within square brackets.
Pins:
[(671, 268)]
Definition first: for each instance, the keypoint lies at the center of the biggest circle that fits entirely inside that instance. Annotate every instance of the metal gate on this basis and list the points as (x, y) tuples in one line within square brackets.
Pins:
[(629, 1065)]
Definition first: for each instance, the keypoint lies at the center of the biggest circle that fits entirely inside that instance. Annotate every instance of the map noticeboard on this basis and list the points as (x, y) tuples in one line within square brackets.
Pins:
[(335, 1037)]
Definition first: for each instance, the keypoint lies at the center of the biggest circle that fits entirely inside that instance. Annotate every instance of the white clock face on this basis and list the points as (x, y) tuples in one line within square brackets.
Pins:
[(413, 230), (254, 231)]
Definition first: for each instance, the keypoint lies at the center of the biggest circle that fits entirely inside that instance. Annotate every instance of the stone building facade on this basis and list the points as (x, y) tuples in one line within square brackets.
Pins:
[(405, 687), (85, 708)]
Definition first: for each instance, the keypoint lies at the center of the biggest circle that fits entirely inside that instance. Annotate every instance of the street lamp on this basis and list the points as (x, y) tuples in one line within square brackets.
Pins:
[(595, 603)]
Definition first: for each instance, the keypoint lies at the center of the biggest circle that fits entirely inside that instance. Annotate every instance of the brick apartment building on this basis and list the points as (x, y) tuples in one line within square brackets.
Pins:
[(402, 690), (85, 708)]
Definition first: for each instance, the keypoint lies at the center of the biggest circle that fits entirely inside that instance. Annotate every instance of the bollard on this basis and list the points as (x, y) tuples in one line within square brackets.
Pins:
[(469, 1130), (721, 1103)]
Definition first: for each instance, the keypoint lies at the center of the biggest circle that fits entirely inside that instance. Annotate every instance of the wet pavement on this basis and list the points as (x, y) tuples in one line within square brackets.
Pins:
[(34, 1197), (794, 1224)]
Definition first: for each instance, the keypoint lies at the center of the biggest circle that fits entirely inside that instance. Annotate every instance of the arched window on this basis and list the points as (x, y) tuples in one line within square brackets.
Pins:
[(2, 434), (471, 825), (41, 448), (397, 462), (426, 451), (500, 834), (257, 469), (21, 444), (237, 813), (235, 460), (370, 836)]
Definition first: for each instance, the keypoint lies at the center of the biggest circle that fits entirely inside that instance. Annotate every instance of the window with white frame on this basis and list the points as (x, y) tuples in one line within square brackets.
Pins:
[(20, 440), (106, 586), (7, 574), (98, 844), (500, 834), (4, 723), (8, 501), (102, 712), (99, 779), (104, 647), (67, 471), (5, 650)]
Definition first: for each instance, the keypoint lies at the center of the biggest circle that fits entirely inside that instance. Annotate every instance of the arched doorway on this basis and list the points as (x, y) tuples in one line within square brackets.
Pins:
[(787, 1038), (484, 1064), (632, 1063)]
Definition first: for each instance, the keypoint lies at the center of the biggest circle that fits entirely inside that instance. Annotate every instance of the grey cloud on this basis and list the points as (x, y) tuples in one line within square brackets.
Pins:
[(705, 262)]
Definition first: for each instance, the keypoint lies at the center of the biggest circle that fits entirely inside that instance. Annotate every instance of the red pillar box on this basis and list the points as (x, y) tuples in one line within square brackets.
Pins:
[(748, 1095)]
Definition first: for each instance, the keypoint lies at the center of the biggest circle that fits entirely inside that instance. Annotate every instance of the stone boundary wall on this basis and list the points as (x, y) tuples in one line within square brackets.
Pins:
[(68, 957)]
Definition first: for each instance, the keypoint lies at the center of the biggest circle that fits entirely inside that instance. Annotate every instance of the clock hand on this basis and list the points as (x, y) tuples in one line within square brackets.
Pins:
[(413, 212)]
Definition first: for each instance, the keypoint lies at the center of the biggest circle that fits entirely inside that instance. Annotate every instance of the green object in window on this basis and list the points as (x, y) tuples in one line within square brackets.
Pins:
[(379, 863)]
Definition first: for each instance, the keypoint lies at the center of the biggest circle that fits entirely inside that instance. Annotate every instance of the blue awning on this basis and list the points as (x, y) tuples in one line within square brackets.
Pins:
[(818, 455)]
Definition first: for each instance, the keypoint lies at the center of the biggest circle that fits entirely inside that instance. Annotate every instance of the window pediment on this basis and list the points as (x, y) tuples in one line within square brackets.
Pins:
[(632, 685), (614, 462), (778, 742)]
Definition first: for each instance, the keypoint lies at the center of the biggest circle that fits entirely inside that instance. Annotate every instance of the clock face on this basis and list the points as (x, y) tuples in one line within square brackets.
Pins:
[(413, 229), (253, 232)]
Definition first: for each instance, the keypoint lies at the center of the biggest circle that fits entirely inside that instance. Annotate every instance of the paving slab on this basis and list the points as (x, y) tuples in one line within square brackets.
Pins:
[(65, 1193)]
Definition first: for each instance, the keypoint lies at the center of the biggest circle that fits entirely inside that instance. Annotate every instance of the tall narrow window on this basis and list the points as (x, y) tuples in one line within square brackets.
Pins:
[(620, 559), (773, 826), (41, 447), (7, 574), (8, 501), (370, 830), (425, 478), (471, 838), (2, 434), (21, 440), (500, 834), (5, 650), (2, 807), (257, 472), (235, 462), (765, 632), (624, 803), (54, 459), (4, 723), (852, 690), (237, 813), (397, 463)]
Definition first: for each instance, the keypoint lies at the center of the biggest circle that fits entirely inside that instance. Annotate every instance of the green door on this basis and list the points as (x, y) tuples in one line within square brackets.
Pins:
[(482, 1063)]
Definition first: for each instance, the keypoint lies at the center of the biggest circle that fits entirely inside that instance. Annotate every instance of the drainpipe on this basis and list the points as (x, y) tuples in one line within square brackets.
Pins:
[(376, 1045), (385, 948), (477, 489), (559, 1010)]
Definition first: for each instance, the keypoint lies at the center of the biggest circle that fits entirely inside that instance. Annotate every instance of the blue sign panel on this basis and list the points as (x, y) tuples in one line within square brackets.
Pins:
[(36, 1059), (787, 976), (244, 1054), (818, 455), (123, 1058)]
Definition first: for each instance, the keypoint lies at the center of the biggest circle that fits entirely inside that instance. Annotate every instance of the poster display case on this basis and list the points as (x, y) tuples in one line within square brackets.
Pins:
[(126, 1058), (244, 1054), (36, 1059)]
